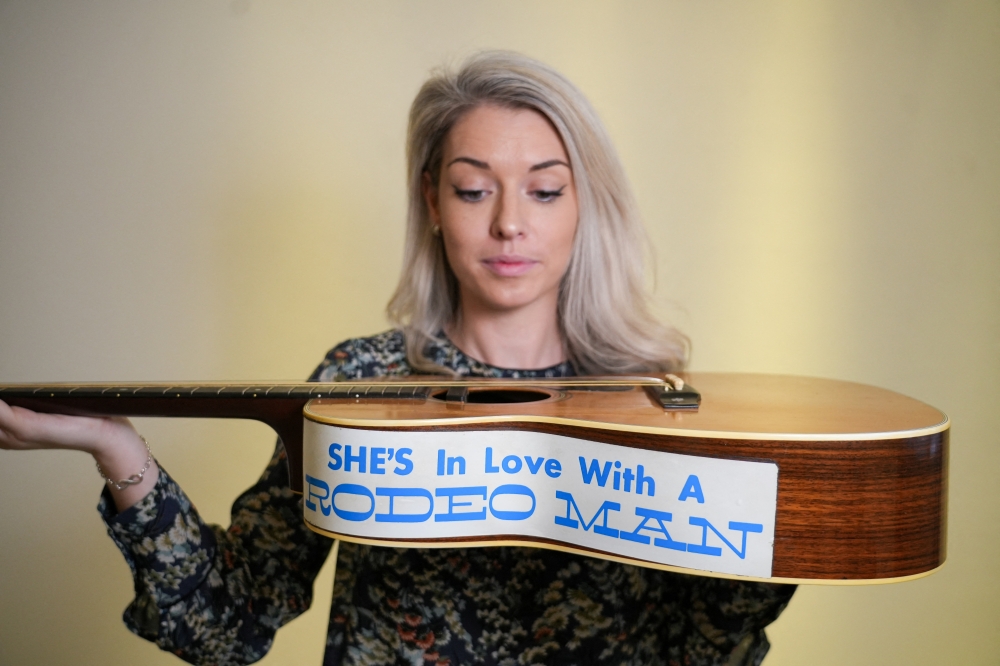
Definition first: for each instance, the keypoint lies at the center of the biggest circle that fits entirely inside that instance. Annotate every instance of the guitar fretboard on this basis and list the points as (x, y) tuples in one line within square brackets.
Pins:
[(208, 391), (668, 394)]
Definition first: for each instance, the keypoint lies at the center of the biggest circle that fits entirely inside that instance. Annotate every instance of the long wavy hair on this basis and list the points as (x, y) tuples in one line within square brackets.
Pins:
[(603, 306)]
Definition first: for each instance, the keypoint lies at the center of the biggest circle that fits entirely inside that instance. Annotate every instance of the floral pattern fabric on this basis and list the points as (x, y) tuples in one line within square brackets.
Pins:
[(216, 596)]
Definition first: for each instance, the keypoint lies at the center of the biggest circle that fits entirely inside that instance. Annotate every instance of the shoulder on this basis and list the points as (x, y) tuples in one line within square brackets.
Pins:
[(374, 356)]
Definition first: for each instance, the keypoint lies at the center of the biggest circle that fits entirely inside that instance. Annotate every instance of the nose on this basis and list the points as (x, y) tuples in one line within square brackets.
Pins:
[(508, 223)]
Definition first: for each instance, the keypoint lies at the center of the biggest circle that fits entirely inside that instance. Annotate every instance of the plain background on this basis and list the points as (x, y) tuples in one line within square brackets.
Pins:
[(203, 189)]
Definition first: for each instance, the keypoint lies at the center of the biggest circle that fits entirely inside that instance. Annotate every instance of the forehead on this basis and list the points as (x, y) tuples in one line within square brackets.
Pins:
[(496, 134)]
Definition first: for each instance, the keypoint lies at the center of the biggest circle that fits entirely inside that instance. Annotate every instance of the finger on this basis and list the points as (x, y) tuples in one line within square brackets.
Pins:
[(8, 428), (26, 429)]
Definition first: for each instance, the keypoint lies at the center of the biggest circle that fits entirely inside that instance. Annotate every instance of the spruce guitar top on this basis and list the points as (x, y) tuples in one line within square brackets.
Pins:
[(778, 478)]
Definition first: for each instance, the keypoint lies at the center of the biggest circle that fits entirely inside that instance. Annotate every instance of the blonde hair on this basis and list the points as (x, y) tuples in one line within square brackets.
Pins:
[(603, 308)]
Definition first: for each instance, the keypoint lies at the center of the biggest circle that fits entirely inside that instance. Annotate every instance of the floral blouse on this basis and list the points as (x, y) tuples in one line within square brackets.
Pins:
[(216, 596)]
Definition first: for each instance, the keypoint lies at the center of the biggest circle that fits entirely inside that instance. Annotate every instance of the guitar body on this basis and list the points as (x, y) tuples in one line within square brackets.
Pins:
[(777, 478)]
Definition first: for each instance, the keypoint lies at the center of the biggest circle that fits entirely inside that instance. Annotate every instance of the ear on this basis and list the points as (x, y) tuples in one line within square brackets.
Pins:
[(431, 198)]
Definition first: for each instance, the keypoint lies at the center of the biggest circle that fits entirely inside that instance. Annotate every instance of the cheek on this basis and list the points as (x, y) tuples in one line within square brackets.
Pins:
[(460, 253), (461, 219), (562, 234)]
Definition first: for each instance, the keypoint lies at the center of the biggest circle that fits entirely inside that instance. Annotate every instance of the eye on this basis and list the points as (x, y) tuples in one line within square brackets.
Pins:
[(548, 196), (470, 196)]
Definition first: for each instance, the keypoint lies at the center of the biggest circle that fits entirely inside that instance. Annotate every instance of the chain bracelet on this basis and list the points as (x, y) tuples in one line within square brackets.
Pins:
[(135, 478)]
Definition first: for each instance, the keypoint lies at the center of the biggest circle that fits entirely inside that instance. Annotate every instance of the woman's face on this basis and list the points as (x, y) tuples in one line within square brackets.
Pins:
[(506, 205)]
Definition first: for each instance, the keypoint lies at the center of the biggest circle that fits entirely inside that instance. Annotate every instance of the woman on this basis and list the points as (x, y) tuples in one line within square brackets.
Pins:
[(522, 260)]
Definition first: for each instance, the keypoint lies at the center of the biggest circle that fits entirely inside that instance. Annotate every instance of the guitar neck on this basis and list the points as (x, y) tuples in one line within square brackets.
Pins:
[(277, 405), (280, 405), (198, 399), (263, 401)]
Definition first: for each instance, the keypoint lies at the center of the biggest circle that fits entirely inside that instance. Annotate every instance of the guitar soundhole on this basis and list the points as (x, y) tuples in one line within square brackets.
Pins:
[(499, 396), (505, 396)]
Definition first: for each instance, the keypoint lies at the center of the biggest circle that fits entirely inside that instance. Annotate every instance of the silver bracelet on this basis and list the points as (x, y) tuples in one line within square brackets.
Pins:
[(135, 478)]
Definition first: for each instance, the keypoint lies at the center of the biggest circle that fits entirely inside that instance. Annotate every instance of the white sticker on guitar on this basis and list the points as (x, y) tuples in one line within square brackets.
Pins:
[(708, 514)]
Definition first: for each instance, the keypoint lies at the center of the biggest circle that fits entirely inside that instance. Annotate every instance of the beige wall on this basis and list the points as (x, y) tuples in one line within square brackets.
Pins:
[(214, 190)]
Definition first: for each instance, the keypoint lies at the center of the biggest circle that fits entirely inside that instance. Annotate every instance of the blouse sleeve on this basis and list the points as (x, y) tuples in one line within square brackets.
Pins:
[(216, 596), (212, 595)]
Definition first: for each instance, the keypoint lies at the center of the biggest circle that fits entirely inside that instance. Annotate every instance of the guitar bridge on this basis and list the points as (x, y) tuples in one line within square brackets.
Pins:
[(669, 397)]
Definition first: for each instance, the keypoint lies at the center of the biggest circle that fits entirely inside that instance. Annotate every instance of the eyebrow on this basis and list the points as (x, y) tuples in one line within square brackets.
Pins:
[(546, 165), (468, 160), (484, 165)]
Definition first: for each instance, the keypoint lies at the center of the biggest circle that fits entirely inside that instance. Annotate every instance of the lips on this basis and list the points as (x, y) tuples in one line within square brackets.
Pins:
[(509, 265)]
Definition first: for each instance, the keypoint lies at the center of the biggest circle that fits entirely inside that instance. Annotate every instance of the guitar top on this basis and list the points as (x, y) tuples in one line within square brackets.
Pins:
[(730, 405)]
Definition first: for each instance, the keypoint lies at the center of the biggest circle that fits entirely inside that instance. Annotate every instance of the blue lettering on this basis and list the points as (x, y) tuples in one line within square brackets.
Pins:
[(641, 480), (392, 516), (490, 467), (534, 464), (403, 464), (660, 517), (511, 464), (360, 459), (378, 461), (594, 470), (604, 509), (310, 494), (692, 488), (440, 466), (336, 461), (512, 489), (553, 468), (451, 494), (629, 478), (457, 460), (705, 549), (352, 489)]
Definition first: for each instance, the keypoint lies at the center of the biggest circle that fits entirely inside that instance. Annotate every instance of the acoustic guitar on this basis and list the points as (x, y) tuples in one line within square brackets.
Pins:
[(760, 477)]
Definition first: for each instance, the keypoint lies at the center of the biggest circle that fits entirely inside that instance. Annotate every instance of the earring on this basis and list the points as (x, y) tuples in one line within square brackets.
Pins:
[(436, 230)]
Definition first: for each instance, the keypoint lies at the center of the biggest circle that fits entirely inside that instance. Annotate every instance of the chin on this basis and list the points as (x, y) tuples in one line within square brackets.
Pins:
[(507, 302)]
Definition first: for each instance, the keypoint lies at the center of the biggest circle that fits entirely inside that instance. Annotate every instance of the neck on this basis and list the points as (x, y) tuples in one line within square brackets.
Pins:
[(524, 339)]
